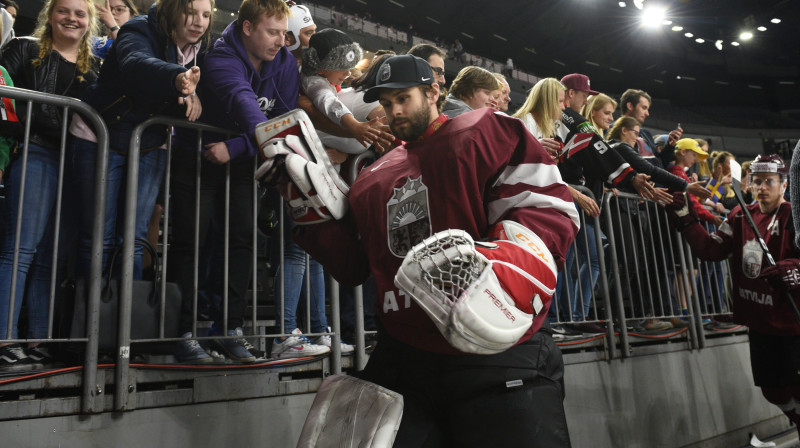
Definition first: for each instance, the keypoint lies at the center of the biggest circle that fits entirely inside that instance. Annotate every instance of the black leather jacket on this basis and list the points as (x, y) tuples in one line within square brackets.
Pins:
[(46, 120)]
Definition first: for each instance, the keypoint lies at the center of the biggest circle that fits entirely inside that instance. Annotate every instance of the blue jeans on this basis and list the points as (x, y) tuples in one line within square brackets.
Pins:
[(294, 259), (37, 227), (578, 301), (151, 171)]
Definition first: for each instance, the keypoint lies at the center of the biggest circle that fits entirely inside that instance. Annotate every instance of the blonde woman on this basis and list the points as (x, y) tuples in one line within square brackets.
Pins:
[(57, 60), (599, 110)]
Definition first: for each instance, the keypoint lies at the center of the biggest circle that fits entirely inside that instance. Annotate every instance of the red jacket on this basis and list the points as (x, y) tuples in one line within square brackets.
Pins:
[(701, 211)]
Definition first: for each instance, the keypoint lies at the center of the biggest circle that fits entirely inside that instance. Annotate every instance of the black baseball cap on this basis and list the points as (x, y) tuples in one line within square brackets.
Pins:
[(400, 72)]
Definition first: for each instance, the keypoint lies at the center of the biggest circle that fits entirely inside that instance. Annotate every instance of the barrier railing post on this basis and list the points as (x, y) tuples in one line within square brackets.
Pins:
[(623, 328), (360, 355), (336, 338), (122, 371)]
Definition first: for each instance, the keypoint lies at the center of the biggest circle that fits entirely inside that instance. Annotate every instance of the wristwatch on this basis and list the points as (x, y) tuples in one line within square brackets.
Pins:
[(113, 28)]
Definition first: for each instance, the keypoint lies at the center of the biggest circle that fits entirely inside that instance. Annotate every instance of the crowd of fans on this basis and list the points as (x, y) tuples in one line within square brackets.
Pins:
[(162, 62)]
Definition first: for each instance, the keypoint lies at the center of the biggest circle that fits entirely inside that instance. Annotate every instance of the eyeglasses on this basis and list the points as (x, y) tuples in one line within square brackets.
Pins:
[(770, 182), (438, 70), (119, 9)]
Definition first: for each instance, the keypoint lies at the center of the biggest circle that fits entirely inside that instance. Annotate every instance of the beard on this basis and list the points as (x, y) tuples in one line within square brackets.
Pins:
[(417, 123)]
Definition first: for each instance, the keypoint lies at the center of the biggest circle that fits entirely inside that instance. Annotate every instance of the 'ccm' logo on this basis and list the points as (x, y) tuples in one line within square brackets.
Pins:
[(533, 246), (277, 125)]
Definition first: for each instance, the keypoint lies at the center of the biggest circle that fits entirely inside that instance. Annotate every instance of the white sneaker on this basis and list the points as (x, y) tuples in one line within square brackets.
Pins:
[(297, 346), (327, 341)]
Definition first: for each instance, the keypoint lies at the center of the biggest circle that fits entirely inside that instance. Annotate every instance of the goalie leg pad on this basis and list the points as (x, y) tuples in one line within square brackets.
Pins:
[(351, 412)]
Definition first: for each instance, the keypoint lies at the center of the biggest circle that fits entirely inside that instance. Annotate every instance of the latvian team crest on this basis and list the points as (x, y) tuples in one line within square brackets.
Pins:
[(408, 216), (751, 259)]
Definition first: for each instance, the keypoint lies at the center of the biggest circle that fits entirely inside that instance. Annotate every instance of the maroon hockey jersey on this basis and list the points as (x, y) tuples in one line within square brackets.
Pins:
[(755, 303), (473, 172)]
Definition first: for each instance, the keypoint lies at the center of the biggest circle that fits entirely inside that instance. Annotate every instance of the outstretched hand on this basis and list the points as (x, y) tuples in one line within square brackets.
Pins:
[(186, 82)]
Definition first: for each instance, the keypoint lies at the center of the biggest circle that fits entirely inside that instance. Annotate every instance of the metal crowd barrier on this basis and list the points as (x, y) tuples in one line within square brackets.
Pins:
[(91, 399), (639, 270), (124, 339)]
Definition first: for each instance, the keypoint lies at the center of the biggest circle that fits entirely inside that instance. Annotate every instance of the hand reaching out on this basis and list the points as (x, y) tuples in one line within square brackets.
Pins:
[(698, 189), (186, 82)]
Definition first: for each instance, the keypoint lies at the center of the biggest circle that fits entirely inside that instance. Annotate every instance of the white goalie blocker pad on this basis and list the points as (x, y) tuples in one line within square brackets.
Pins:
[(318, 192), (348, 412), (311, 186), (481, 305), (300, 137)]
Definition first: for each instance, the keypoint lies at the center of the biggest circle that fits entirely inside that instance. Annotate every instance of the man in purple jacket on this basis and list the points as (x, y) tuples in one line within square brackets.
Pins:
[(248, 76)]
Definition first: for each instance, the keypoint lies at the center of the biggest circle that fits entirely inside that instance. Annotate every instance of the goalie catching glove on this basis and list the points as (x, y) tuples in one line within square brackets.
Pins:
[(294, 155), (481, 296)]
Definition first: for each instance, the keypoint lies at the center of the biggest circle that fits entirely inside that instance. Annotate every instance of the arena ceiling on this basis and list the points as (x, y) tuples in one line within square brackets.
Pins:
[(609, 43)]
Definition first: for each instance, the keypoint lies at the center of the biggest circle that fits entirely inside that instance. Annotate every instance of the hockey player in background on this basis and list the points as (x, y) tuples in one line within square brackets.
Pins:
[(759, 299), (476, 197)]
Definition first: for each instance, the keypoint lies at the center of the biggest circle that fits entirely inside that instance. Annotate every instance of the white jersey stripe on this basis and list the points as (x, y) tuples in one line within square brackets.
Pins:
[(535, 174), (499, 207), (616, 173)]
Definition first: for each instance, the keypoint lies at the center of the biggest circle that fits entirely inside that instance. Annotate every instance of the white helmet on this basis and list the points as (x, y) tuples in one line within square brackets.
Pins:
[(300, 18)]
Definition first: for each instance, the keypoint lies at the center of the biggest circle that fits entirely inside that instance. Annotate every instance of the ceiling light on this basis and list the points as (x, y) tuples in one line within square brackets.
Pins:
[(667, 22), (658, 81), (718, 44), (735, 44), (678, 77), (653, 17), (689, 35), (747, 35), (677, 28), (215, 9), (638, 3), (622, 4), (699, 40), (776, 20), (754, 86), (762, 28)]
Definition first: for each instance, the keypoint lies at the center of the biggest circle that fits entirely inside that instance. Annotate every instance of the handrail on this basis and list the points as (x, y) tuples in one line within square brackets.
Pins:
[(90, 402)]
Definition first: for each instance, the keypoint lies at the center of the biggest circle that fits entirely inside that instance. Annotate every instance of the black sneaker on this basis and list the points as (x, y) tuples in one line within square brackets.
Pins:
[(40, 354), (259, 354), (562, 331), (13, 357)]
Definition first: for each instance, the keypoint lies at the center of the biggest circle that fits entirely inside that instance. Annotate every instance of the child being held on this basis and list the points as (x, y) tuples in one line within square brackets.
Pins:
[(326, 64)]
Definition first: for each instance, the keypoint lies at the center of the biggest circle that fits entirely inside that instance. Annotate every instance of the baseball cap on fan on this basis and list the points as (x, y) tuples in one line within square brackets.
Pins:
[(576, 81), (400, 72)]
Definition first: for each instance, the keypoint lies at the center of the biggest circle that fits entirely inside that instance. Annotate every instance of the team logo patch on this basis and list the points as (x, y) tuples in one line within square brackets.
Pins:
[(386, 72), (350, 56), (751, 259), (408, 216)]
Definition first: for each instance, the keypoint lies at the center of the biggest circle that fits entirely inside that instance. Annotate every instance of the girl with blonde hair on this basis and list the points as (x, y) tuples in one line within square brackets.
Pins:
[(541, 111), (57, 60), (599, 110)]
